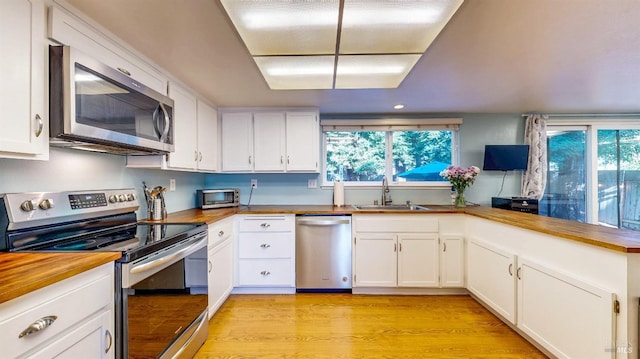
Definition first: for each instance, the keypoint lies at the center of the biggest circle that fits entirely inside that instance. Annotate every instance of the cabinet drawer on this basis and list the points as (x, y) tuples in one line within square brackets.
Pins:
[(266, 272), (266, 224), (220, 231), (396, 224), (265, 245), (71, 301)]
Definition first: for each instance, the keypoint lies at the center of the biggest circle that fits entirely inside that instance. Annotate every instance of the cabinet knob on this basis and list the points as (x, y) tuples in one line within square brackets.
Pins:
[(40, 324), (221, 233)]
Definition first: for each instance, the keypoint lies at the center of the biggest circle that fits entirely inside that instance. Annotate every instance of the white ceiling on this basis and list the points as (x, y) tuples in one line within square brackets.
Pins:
[(574, 56)]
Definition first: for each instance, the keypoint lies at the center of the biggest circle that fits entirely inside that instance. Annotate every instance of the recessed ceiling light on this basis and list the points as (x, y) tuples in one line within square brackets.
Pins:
[(398, 106)]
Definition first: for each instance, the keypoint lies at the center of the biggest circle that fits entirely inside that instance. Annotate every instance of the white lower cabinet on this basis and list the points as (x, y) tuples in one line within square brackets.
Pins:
[(571, 318), (73, 318), (491, 276), (220, 262), (545, 287), (266, 253), (406, 251)]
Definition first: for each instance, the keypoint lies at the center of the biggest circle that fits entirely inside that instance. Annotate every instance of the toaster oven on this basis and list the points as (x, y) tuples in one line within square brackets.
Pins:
[(217, 198)]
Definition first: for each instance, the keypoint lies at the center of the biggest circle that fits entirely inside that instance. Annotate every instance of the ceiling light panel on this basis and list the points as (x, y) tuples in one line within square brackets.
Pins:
[(272, 27), (373, 71), (297, 72), (379, 27)]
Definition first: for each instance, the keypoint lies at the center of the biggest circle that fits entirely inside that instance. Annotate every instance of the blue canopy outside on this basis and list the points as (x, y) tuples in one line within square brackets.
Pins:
[(428, 172)]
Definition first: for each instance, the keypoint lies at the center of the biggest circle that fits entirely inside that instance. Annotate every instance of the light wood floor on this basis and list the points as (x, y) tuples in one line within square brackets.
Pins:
[(359, 326)]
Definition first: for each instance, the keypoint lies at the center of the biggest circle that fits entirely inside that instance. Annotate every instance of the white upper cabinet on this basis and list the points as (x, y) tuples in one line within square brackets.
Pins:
[(185, 128), (270, 141), (302, 141), (237, 142), (208, 142), (23, 113)]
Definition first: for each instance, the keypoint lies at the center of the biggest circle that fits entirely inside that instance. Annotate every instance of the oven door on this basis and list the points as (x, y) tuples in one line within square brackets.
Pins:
[(163, 302)]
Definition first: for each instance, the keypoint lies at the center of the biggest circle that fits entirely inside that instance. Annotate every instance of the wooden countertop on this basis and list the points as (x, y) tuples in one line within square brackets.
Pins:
[(611, 238), (24, 272)]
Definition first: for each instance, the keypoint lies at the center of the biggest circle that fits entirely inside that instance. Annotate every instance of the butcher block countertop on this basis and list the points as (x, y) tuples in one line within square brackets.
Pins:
[(611, 238), (24, 272)]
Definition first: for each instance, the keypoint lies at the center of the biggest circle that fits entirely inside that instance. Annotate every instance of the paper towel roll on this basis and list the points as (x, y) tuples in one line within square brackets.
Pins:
[(338, 193)]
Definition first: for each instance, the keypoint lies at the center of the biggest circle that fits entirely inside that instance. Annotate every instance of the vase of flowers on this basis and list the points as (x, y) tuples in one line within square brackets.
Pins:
[(460, 179)]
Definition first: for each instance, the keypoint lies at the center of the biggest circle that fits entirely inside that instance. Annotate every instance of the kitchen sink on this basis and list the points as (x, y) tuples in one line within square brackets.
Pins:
[(390, 207)]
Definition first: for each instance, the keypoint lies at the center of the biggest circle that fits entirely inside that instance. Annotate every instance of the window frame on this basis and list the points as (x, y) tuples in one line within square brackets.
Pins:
[(389, 126)]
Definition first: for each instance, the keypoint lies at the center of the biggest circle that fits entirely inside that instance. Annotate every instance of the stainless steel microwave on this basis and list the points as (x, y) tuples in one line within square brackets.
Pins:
[(95, 107), (217, 198)]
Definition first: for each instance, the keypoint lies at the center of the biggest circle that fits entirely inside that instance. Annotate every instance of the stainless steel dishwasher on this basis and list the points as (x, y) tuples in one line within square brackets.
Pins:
[(323, 253)]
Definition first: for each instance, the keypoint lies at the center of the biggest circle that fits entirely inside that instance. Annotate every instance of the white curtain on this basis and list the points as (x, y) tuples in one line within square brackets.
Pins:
[(534, 178)]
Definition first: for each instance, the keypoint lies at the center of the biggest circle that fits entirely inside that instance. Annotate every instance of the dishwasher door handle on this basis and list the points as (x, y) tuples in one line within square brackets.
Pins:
[(322, 222)]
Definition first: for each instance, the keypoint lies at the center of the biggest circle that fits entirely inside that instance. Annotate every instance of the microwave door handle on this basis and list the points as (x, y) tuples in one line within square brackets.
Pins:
[(156, 119), (167, 124)]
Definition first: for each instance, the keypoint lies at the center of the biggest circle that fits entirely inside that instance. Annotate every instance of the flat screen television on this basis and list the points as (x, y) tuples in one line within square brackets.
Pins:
[(506, 157)]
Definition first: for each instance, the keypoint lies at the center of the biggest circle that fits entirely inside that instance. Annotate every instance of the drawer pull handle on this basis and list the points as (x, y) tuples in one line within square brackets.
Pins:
[(124, 71), (265, 225), (511, 269), (40, 324), (221, 233), (265, 272), (108, 339), (210, 266), (265, 245), (518, 273)]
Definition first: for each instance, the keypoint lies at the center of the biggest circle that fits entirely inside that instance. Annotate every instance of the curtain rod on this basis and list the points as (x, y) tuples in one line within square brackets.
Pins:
[(584, 114)]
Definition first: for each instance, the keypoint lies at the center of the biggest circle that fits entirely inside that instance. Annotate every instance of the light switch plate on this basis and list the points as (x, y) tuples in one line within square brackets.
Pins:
[(312, 183), (172, 185)]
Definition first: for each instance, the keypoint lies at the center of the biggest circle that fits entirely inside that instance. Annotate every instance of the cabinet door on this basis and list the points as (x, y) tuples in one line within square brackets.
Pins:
[(237, 142), (418, 264), (220, 275), (269, 137), (207, 137), (184, 128), (491, 277), (375, 257), (93, 339), (452, 261), (22, 70), (569, 317), (302, 142)]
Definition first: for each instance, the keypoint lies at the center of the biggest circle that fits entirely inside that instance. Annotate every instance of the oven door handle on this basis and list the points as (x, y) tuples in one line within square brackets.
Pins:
[(160, 261)]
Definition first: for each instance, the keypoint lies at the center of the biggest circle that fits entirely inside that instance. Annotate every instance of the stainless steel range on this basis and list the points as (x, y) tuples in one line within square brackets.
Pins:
[(161, 279)]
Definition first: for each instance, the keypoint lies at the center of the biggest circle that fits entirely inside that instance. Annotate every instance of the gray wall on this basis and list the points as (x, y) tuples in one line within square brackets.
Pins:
[(476, 131)]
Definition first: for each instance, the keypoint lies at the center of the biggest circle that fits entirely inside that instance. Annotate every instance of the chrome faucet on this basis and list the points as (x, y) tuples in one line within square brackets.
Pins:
[(386, 196)]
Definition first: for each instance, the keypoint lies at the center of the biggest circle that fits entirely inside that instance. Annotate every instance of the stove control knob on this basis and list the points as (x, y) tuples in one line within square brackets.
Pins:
[(122, 198), (46, 204), (113, 198), (131, 197), (29, 205)]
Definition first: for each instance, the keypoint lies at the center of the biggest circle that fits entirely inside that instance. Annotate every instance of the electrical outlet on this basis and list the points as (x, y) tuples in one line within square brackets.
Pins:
[(254, 183), (312, 183), (172, 185)]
